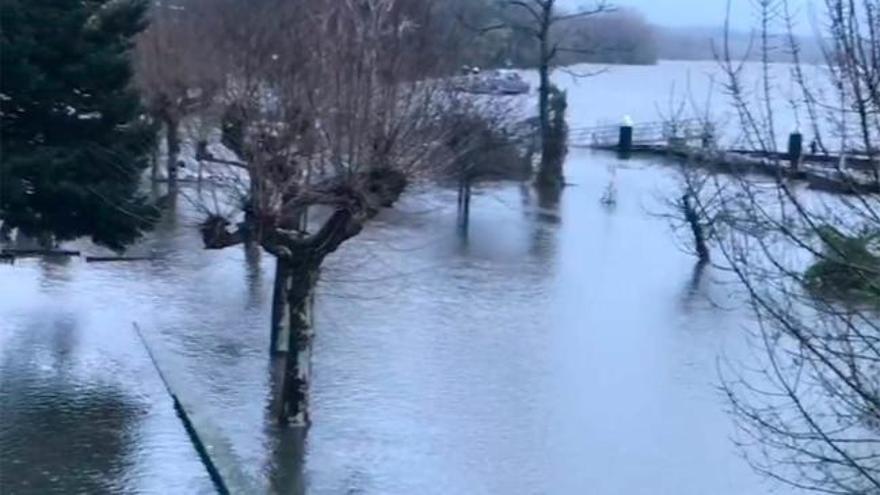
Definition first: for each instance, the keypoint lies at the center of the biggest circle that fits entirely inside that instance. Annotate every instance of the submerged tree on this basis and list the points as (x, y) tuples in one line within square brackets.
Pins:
[(695, 204), (175, 71), (338, 114), (696, 209), (74, 139), (539, 20)]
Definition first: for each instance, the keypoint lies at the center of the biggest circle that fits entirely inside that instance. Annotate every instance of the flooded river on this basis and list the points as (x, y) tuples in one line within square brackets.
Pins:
[(560, 347)]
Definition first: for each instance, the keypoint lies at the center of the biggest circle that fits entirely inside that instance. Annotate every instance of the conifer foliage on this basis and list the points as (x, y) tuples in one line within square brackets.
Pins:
[(74, 139)]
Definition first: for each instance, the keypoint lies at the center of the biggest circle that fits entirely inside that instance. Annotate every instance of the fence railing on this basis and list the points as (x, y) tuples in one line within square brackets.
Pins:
[(646, 133)]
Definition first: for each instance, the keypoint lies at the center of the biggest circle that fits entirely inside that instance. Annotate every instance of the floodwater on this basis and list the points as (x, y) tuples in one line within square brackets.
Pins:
[(687, 90), (559, 347)]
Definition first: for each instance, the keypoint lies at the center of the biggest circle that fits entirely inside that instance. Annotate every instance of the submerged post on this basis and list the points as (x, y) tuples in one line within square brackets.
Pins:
[(795, 149)]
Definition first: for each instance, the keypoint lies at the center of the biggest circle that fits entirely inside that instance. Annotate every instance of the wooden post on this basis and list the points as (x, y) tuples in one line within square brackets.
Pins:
[(795, 149)]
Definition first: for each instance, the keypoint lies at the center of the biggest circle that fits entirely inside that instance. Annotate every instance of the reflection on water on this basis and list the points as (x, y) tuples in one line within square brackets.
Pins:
[(567, 348), (695, 290), (79, 415)]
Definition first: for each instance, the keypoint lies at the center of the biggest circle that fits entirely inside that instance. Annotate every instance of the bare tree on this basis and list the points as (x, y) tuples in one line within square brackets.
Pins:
[(339, 114), (695, 206), (539, 20), (808, 410), (174, 71), (696, 209)]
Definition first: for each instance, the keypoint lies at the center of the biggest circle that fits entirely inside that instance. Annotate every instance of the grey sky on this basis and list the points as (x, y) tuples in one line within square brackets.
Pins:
[(699, 13)]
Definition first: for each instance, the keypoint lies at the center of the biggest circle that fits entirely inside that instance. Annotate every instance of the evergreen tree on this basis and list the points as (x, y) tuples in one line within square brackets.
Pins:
[(74, 141)]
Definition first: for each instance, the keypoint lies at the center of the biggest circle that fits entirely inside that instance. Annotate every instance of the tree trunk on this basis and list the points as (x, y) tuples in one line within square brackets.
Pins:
[(154, 164), (550, 173), (280, 333), (280, 329), (544, 118), (172, 138), (297, 368), (693, 220), (466, 207)]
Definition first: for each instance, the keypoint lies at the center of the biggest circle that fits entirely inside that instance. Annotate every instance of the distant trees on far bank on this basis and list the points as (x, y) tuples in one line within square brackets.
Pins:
[(619, 36), (696, 44)]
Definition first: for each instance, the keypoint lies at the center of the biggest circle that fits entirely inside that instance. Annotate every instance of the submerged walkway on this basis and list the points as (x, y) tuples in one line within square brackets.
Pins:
[(215, 451), (836, 172)]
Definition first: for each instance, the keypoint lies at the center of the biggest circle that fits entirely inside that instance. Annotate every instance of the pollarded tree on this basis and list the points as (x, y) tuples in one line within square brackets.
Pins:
[(339, 112), (74, 140)]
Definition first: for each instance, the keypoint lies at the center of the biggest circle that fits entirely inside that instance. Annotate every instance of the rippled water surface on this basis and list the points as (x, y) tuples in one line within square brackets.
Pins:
[(560, 347)]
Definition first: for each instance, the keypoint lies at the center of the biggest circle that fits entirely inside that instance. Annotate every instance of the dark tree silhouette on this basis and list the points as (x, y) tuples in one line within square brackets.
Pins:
[(74, 141)]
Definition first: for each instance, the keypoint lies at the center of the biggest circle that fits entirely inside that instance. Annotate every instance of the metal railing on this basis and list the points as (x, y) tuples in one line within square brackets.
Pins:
[(646, 133)]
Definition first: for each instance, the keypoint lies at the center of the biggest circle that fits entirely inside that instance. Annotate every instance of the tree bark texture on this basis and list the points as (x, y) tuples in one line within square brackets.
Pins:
[(280, 331), (297, 369), (693, 220)]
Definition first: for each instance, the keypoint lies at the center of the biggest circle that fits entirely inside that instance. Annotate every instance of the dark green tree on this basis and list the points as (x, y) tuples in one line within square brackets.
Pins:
[(74, 139)]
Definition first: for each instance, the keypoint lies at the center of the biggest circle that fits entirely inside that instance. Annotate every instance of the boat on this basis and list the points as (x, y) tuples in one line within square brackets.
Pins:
[(499, 82)]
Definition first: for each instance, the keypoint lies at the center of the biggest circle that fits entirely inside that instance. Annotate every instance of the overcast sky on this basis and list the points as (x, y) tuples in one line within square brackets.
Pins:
[(698, 13)]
